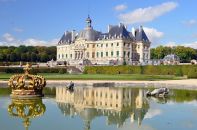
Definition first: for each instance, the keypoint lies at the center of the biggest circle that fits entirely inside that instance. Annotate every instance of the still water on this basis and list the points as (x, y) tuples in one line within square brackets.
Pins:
[(99, 108)]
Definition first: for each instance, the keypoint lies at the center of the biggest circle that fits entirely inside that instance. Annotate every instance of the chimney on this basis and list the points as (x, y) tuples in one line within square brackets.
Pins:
[(73, 35), (133, 31), (140, 28), (125, 26), (109, 27)]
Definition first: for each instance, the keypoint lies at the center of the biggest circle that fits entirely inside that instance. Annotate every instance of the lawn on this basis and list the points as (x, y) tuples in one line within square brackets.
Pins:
[(57, 76)]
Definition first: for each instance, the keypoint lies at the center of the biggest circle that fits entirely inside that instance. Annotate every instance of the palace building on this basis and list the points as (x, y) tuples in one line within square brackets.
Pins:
[(116, 47)]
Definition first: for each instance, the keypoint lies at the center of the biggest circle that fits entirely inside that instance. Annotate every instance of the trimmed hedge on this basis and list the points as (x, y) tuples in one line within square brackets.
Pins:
[(112, 70), (192, 74), (33, 71), (178, 70), (15, 63)]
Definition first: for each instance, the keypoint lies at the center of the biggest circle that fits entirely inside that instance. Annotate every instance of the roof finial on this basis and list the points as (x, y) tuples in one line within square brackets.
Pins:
[(89, 21)]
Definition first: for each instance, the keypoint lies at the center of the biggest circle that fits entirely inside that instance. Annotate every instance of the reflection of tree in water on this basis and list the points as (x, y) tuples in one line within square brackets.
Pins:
[(117, 104), (183, 95), (26, 109)]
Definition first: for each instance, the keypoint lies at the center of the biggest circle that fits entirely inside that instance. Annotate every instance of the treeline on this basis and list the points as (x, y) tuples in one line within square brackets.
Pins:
[(186, 54), (27, 53)]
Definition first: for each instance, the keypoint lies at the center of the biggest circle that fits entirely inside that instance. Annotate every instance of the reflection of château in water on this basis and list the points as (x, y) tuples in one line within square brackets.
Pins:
[(117, 104)]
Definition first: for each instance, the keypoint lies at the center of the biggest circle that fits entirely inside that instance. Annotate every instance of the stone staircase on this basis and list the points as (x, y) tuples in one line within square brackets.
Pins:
[(74, 70)]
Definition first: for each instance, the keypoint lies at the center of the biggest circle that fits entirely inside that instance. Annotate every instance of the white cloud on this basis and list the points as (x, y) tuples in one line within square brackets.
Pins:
[(135, 126), (9, 40), (190, 23), (193, 103), (142, 15), (36, 42), (120, 7), (191, 44), (8, 37), (153, 34), (152, 113), (16, 29)]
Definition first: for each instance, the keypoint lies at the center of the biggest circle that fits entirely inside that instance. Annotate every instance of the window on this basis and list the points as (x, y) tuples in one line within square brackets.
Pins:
[(70, 55), (128, 54), (66, 56), (59, 56), (97, 45), (101, 54), (124, 53), (87, 54), (106, 53), (117, 53), (112, 53), (116, 96), (124, 44), (111, 44), (93, 46), (117, 44), (62, 56), (97, 54), (101, 45), (106, 45), (93, 54), (87, 45)]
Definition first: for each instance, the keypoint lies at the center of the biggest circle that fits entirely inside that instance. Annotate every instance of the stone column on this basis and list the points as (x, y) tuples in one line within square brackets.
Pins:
[(82, 54), (75, 55), (78, 55)]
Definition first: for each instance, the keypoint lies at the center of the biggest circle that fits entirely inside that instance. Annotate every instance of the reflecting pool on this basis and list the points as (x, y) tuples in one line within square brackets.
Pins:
[(99, 108)]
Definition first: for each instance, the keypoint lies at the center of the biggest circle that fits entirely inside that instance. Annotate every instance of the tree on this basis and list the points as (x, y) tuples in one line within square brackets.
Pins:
[(184, 53), (27, 53), (23, 57), (13, 57), (2, 57), (44, 58), (33, 57)]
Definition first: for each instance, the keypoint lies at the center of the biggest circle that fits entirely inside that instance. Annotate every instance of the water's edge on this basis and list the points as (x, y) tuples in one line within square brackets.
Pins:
[(178, 84)]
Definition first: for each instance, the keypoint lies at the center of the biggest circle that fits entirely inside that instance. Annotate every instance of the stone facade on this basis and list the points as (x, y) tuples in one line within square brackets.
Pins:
[(115, 47)]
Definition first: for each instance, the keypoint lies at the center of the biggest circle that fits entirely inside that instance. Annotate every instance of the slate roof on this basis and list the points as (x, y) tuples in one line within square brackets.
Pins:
[(115, 31), (89, 34), (140, 35), (66, 38), (120, 31)]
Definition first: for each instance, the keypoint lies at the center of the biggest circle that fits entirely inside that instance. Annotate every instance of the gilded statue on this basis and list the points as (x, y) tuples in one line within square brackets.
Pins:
[(27, 84)]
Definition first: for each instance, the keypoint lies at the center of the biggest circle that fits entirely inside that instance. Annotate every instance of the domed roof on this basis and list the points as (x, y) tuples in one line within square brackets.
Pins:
[(89, 34)]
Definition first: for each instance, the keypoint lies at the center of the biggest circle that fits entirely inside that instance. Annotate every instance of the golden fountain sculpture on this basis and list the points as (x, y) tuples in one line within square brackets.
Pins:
[(27, 85), (26, 109)]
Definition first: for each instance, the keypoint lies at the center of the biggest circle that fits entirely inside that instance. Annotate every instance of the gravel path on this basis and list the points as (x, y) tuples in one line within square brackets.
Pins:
[(189, 84)]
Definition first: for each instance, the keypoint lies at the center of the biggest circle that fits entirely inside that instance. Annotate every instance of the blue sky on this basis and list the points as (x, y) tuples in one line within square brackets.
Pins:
[(42, 22)]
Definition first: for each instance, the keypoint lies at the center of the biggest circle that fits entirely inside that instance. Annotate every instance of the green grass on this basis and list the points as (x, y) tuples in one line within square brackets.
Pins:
[(56, 76)]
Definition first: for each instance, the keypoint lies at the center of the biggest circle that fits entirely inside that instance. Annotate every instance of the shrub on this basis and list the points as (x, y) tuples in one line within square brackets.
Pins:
[(179, 72), (192, 74), (33, 71), (62, 71)]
